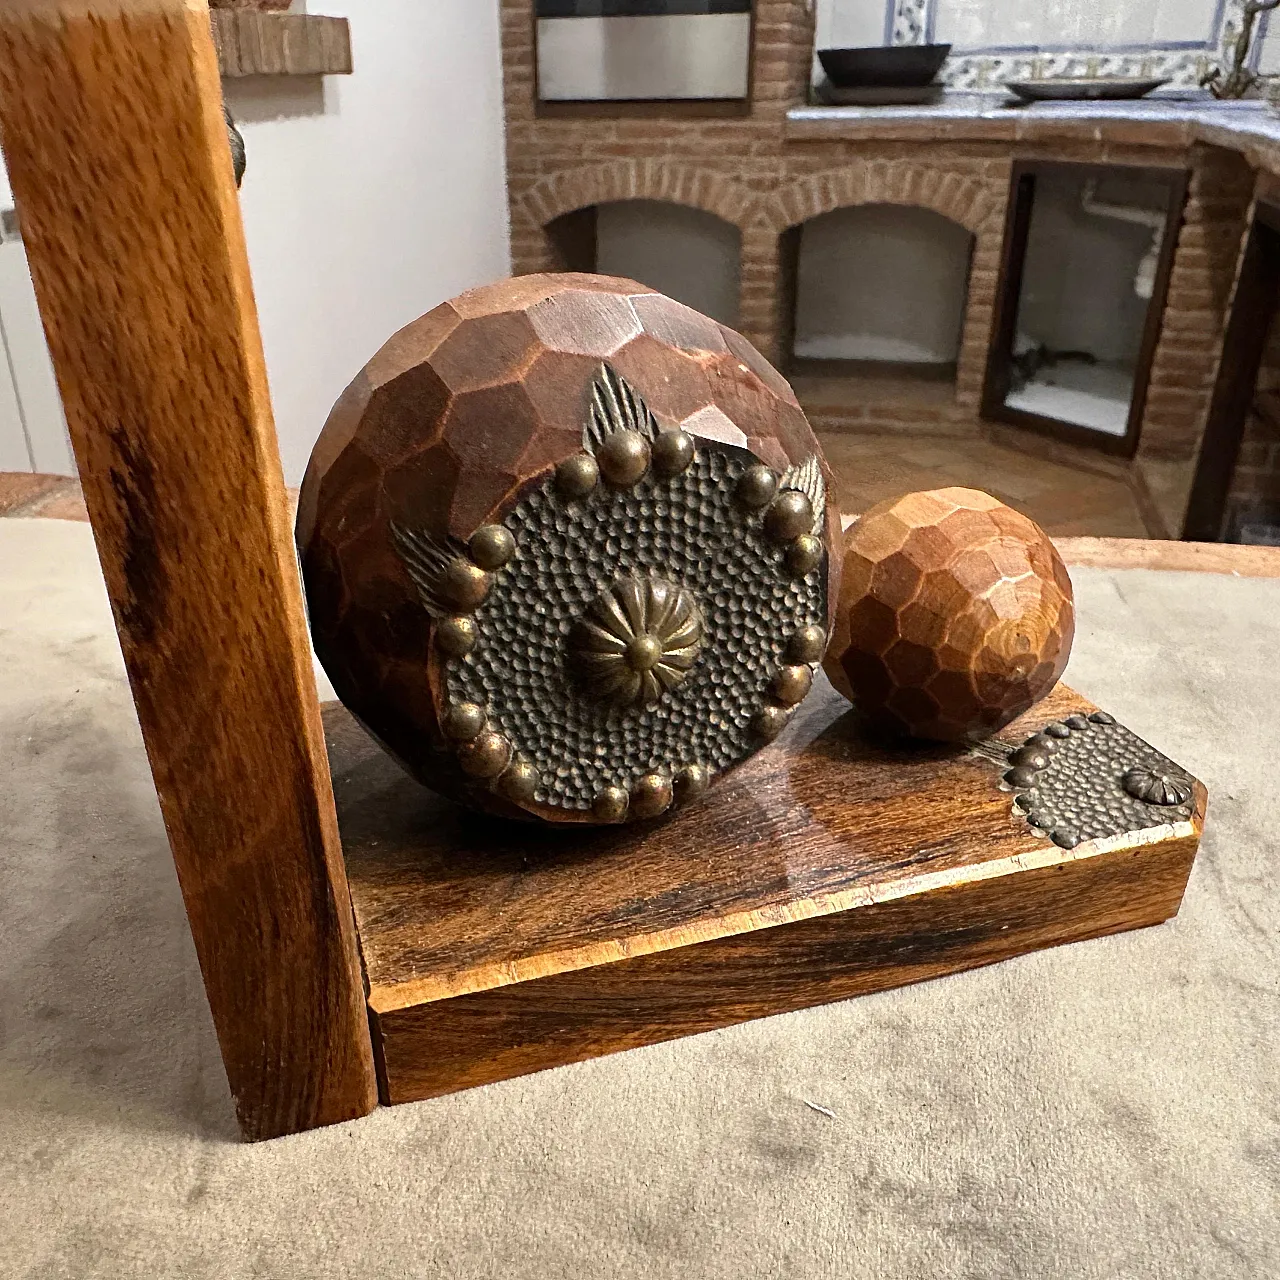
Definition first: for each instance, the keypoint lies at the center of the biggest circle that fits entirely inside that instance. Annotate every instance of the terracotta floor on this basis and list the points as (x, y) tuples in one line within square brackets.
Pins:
[(55, 497), (1093, 519), (1061, 499)]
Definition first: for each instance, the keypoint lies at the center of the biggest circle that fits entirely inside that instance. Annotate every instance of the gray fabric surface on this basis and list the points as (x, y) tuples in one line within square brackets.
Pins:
[(1110, 1109)]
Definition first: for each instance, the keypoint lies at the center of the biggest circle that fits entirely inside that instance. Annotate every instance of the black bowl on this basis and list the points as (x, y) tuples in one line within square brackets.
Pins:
[(888, 66)]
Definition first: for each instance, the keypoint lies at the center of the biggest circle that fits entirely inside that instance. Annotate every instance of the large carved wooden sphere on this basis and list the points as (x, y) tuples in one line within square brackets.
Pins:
[(567, 549), (955, 615)]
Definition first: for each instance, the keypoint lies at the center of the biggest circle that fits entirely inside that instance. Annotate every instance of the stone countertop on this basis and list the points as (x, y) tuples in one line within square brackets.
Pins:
[(1171, 120)]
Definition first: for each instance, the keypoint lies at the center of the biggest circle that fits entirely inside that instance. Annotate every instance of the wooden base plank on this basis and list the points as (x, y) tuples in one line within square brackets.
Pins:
[(830, 865)]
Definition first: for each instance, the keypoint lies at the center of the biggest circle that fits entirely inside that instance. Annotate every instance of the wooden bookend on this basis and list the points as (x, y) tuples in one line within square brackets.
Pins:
[(112, 121), (827, 866)]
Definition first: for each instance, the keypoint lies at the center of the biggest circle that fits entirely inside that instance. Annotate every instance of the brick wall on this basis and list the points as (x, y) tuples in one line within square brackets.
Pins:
[(1219, 194), (747, 170), (738, 168)]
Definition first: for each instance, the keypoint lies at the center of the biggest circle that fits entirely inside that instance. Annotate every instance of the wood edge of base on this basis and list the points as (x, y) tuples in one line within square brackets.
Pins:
[(388, 999), (407, 1038)]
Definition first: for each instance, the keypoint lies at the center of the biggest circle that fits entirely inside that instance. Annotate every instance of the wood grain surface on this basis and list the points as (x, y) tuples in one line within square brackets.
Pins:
[(1187, 557), (113, 133), (955, 615), (827, 866), (251, 43)]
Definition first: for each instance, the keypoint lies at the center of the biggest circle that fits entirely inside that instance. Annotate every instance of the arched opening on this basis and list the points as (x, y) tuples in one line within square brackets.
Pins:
[(880, 297), (686, 253)]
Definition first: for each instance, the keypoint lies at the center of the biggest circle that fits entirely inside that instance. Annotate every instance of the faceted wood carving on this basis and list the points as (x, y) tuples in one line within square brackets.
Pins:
[(566, 549), (955, 615)]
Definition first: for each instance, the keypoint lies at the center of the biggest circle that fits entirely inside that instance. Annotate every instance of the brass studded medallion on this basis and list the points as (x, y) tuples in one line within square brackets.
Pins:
[(645, 617)]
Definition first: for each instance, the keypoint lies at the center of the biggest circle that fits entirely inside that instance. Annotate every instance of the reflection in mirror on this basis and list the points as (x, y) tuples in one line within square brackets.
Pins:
[(1084, 285)]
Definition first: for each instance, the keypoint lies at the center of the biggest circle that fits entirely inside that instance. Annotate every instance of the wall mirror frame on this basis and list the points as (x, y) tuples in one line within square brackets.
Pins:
[(605, 107), (1002, 368)]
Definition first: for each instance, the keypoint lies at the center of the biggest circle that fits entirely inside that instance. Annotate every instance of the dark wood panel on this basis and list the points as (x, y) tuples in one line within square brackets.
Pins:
[(133, 232), (1253, 310), (439, 1047)]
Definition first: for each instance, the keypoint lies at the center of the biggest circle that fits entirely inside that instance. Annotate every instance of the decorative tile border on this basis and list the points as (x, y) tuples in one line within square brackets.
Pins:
[(979, 70), (910, 21)]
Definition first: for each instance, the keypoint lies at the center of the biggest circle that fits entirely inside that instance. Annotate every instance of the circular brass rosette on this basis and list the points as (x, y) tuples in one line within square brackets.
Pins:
[(645, 617), (637, 640)]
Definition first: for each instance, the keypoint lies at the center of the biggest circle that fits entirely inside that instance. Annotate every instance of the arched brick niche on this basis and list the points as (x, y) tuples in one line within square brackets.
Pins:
[(558, 194), (884, 283), (768, 217), (771, 243)]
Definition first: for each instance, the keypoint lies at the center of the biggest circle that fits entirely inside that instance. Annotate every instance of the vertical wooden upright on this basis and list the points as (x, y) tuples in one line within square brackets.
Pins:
[(112, 128)]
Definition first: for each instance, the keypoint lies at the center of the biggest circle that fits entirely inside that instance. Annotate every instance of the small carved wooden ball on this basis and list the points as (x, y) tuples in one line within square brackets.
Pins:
[(955, 615), (570, 549)]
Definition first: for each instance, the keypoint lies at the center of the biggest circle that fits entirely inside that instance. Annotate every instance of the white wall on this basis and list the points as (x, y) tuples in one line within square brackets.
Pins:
[(688, 254), (882, 282), (849, 24), (372, 197), (369, 198), (33, 432)]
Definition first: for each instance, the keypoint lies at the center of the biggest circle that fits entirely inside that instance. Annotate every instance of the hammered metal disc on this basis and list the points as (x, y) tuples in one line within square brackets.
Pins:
[(689, 530), (1085, 788), (491, 546), (622, 631), (672, 452), (455, 636), (463, 721), (651, 796), (792, 684), (624, 457), (790, 515), (519, 782), (610, 805), (577, 476), (756, 486), (464, 584), (485, 756), (804, 555), (770, 721), (1157, 787), (690, 783)]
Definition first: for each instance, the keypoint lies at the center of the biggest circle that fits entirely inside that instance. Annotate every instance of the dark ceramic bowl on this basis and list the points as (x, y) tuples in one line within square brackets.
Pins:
[(889, 66)]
